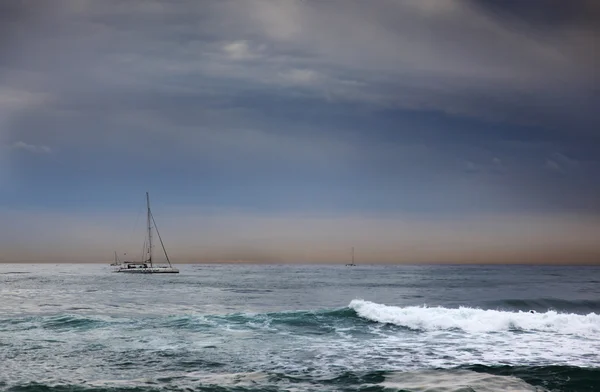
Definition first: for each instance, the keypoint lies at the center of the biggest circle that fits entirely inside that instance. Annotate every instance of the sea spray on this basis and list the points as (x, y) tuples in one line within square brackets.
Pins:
[(478, 320)]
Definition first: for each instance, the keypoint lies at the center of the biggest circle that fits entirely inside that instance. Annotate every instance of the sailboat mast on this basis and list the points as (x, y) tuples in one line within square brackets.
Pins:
[(149, 229), (352, 255)]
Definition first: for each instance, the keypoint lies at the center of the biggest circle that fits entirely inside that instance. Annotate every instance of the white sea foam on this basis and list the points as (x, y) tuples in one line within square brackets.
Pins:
[(477, 320), (230, 379), (455, 381), (445, 337)]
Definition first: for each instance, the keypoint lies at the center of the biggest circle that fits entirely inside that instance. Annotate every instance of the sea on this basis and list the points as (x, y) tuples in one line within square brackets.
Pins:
[(434, 328)]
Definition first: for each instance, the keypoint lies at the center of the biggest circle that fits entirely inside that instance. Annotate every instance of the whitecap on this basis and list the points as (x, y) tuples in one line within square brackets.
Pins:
[(477, 320)]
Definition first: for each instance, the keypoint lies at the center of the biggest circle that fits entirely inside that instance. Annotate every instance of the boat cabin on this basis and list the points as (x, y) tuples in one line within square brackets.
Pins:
[(136, 264)]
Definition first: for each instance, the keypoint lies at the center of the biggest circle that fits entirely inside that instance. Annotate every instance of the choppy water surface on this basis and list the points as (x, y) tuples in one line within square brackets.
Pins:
[(300, 328)]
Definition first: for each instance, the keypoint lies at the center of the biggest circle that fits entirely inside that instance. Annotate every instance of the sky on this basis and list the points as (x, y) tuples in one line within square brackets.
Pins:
[(281, 131)]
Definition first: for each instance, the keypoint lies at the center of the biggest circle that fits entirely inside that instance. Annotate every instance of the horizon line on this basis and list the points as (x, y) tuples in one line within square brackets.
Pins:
[(576, 264)]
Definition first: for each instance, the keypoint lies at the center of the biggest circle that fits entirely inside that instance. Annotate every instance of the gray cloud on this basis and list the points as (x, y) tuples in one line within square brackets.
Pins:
[(273, 80), (31, 148), (458, 57)]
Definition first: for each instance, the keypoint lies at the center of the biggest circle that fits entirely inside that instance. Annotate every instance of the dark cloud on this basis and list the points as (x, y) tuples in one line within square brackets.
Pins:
[(550, 14), (14, 16), (464, 103), (416, 55)]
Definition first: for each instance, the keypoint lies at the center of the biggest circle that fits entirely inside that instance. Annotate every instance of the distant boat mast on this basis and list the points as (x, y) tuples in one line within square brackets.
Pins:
[(149, 230), (352, 263), (116, 262)]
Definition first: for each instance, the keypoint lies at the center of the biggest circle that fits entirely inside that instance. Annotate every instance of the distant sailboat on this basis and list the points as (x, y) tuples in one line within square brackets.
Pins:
[(147, 266), (352, 263), (116, 262)]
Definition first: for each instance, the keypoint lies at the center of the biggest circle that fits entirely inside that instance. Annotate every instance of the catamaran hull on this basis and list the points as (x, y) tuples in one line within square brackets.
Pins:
[(167, 270)]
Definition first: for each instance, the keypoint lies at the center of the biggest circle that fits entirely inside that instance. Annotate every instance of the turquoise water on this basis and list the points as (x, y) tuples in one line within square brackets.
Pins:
[(300, 328)]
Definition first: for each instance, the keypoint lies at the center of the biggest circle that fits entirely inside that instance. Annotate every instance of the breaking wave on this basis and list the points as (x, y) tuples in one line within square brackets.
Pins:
[(417, 318), (545, 304), (422, 318)]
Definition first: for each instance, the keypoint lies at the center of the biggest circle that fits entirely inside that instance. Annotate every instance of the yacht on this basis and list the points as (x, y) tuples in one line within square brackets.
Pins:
[(147, 265)]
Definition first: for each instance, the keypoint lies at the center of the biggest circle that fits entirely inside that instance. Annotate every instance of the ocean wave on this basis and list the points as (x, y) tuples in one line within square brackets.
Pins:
[(59, 322), (455, 381), (358, 314), (42, 387), (554, 378), (545, 304), (422, 318), (467, 378), (69, 321), (321, 320), (311, 322)]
